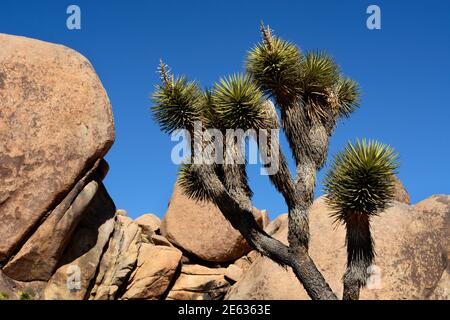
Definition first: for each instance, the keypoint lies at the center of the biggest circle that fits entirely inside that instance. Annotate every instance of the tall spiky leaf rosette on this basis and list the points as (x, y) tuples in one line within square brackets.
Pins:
[(348, 96), (178, 103), (320, 75), (326, 93), (275, 64), (358, 186), (238, 103)]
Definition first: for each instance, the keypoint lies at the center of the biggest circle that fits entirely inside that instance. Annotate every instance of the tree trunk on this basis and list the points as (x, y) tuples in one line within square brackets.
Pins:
[(239, 214)]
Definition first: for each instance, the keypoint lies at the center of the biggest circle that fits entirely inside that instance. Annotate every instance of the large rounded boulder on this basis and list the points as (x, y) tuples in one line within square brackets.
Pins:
[(200, 228), (55, 122)]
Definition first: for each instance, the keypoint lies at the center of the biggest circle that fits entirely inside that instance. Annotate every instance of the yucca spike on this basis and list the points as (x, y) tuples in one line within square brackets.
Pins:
[(178, 102), (267, 35), (165, 75), (275, 64)]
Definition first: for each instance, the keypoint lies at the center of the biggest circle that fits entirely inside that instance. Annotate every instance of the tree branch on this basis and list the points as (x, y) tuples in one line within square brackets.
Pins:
[(239, 214)]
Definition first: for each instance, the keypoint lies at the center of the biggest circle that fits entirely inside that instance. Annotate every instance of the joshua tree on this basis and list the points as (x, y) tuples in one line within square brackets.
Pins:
[(358, 186), (311, 95)]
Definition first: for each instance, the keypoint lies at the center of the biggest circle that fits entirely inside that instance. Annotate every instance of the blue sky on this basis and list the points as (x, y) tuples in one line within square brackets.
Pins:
[(403, 69)]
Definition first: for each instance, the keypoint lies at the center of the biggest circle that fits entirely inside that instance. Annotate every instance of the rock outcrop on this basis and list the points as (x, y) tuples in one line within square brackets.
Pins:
[(56, 121), (149, 221), (82, 257), (118, 261), (400, 193), (38, 258), (198, 282), (155, 269), (410, 242)]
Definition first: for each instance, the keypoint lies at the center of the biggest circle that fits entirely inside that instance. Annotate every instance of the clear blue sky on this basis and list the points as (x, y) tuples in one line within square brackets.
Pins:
[(403, 69)]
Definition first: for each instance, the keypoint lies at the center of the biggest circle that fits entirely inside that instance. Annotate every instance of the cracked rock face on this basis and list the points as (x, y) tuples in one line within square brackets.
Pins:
[(118, 261), (83, 254), (155, 269), (38, 258), (198, 282), (55, 121)]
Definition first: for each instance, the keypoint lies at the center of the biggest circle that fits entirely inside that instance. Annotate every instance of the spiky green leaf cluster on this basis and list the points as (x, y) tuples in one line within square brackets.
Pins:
[(276, 68), (324, 89), (319, 72), (191, 184), (348, 95), (320, 76), (238, 103), (210, 117), (361, 179), (282, 71), (177, 105)]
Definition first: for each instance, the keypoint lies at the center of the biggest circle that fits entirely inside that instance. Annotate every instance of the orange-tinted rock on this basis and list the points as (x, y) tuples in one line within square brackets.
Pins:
[(118, 261), (55, 122), (412, 246), (197, 282), (38, 258), (156, 266), (400, 193), (149, 220), (77, 268), (201, 229)]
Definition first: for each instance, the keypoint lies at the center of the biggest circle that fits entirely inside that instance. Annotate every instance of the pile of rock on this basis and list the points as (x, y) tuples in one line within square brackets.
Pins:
[(62, 237), (141, 262)]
